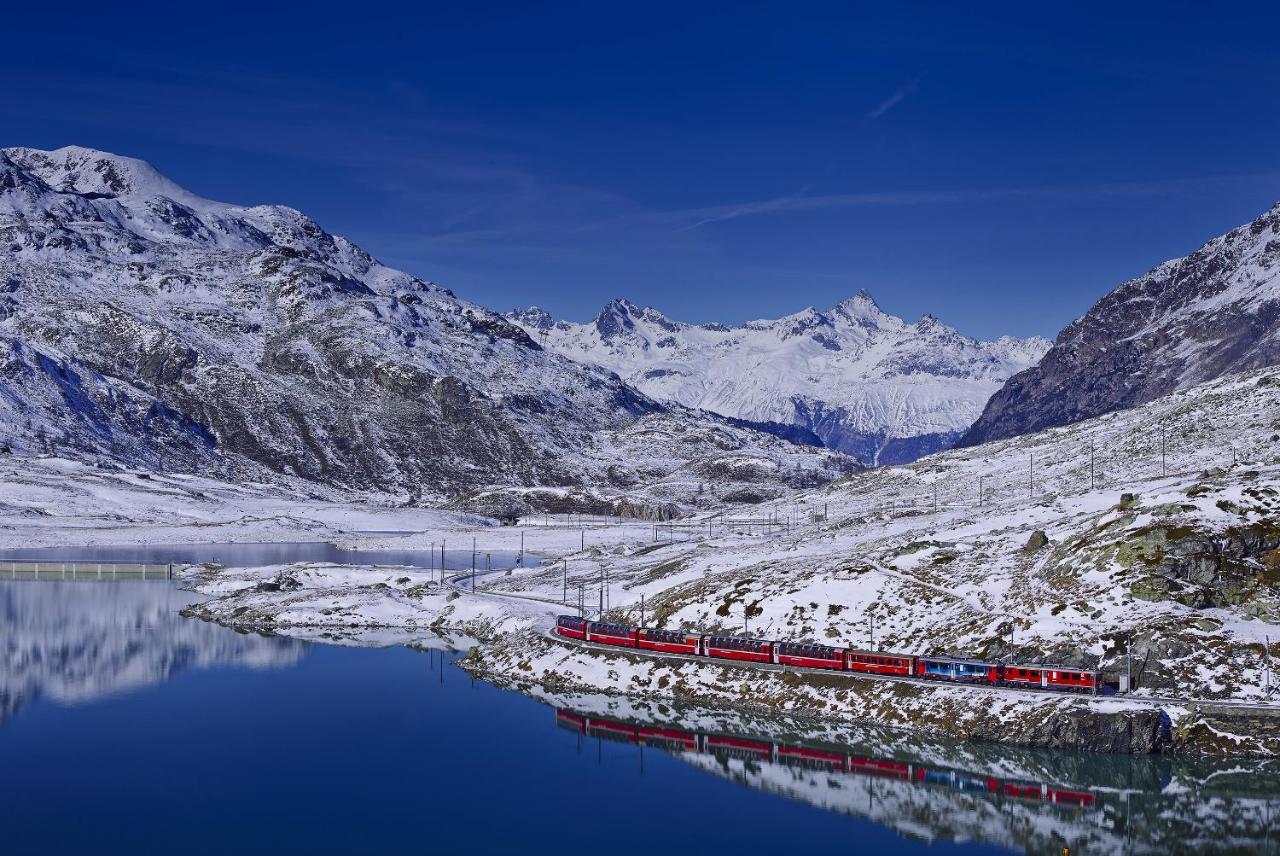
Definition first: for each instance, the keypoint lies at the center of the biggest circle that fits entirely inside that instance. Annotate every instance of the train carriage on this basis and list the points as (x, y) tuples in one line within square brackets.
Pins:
[(1018, 676), (738, 747), (882, 768), (571, 626), (623, 635), (668, 641), (880, 663), (812, 759), (738, 648), (1069, 678), (672, 739), (810, 656), (957, 670)]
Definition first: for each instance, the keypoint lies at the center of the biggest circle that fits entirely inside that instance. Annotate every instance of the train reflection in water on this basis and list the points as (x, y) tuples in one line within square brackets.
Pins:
[(829, 760)]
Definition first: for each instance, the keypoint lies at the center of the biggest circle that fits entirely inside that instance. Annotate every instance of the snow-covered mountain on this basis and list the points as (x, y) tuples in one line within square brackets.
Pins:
[(866, 382), (142, 323), (1193, 319)]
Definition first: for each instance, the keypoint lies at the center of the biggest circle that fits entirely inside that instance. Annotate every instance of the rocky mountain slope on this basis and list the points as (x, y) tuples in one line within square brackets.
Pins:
[(141, 323), (866, 382), (1053, 564), (1189, 320)]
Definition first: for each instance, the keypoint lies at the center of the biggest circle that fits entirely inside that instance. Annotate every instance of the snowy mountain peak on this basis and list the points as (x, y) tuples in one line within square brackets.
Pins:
[(1186, 321), (90, 172), (140, 323), (532, 318), (863, 380)]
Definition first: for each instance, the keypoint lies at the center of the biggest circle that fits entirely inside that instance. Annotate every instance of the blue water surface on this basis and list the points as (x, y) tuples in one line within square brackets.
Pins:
[(369, 750)]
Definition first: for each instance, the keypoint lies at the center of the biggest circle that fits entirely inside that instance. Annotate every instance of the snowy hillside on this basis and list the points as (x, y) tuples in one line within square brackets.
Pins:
[(143, 324), (1189, 320), (1183, 574), (866, 382)]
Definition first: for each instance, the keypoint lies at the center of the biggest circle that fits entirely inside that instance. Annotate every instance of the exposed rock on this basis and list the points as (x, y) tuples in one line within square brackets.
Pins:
[(1189, 320), (142, 324)]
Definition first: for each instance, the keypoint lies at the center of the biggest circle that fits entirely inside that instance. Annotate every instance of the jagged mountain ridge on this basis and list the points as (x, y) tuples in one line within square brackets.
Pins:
[(1189, 320), (142, 323), (866, 382)]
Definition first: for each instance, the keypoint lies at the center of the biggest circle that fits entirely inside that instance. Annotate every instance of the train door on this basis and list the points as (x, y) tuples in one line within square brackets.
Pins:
[(1044, 678)]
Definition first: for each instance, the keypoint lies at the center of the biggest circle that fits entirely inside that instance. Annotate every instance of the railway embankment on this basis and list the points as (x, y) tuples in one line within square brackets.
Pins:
[(1031, 720)]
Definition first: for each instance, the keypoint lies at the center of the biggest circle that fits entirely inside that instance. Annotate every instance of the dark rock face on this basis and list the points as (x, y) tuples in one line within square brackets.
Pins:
[(1234, 568), (1138, 732), (1212, 313)]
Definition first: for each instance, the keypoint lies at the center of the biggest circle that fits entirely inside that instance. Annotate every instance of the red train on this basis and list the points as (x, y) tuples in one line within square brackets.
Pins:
[(813, 656)]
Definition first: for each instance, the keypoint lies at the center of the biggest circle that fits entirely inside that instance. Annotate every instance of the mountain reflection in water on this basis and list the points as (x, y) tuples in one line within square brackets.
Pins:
[(1025, 800), (73, 642)]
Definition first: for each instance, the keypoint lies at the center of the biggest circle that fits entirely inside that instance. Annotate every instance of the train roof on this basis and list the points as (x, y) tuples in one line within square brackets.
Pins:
[(880, 653), (966, 661)]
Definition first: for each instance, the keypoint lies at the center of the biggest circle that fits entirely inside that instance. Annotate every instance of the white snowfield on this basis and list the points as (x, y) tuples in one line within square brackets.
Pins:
[(857, 376), (960, 578), (957, 579)]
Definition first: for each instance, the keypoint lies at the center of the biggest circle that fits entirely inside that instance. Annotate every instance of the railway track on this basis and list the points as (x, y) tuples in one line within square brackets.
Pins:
[(461, 583)]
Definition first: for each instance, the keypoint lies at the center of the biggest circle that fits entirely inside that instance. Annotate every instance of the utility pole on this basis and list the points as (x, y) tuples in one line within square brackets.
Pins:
[(582, 544), (1266, 656), (473, 565), (522, 548), (1093, 484), (871, 618), (642, 610), (1128, 663), (565, 596), (1164, 467)]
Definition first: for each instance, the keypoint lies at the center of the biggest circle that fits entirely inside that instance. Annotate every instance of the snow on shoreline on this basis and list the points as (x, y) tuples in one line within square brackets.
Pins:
[(1127, 583)]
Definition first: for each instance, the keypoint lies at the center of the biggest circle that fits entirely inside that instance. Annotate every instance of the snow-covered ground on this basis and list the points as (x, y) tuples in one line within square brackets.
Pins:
[(1160, 567)]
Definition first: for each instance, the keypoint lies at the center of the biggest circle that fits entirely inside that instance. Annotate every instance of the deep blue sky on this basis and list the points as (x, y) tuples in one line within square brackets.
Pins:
[(1000, 169)]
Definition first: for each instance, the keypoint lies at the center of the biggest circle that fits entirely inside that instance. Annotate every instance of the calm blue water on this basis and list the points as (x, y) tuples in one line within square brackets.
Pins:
[(126, 729), (248, 555)]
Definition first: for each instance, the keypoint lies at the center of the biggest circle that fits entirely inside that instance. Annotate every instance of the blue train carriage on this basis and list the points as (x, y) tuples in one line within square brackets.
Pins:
[(955, 669)]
